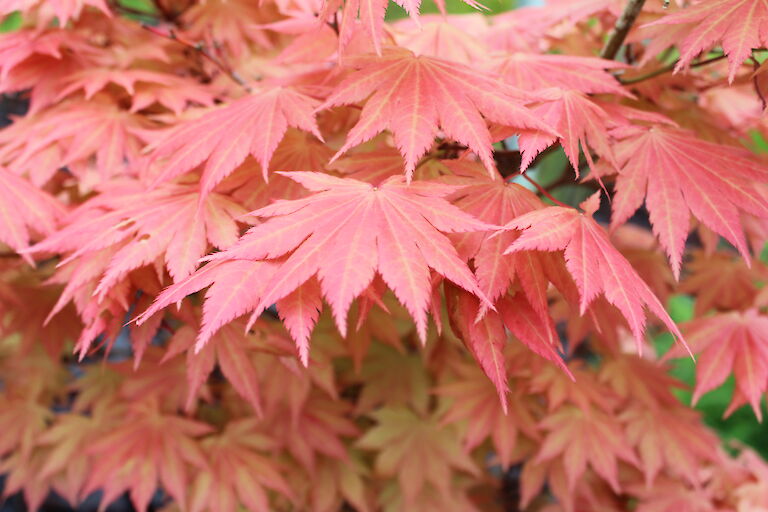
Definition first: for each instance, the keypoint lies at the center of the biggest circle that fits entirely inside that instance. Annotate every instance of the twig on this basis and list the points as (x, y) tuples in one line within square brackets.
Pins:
[(202, 50), (621, 29), (545, 192), (666, 69)]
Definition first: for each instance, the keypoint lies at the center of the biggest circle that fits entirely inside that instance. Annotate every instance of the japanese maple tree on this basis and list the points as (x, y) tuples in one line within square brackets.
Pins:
[(309, 255)]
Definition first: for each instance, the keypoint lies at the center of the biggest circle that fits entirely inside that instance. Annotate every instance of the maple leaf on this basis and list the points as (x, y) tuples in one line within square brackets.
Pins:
[(23, 419), (486, 337), (145, 87), (258, 121), (18, 46), (391, 377), (671, 438), (339, 482), (416, 450), (449, 38), (62, 10), (496, 202), (476, 403), (596, 266), (531, 72), (582, 123), (641, 381), (585, 437), (150, 446), (316, 428), (677, 174), (413, 96), (347, 231), (25, 208), (230, 348), (371, 15), (233, 22), (141, 226), (238, 471), (71, 134), (734, 342), (722, 281), (739, 25)]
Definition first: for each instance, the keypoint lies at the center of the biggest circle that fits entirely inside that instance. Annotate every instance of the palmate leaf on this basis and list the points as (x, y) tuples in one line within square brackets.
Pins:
[(739, 25), (225, 136), (371, 16), (731, 343), (671, 438), (239, 471), (74, 133), (230, 348), (413, 96), (145, 86), (417, 450), (486, 337), (676, 174), (581, 122), (532, 71), (169, 222), (578, 438), (596, 266), (47, 10), (477, 403), (497, 202), (348, 230), (343, 234), (150, 447), (24, 209)]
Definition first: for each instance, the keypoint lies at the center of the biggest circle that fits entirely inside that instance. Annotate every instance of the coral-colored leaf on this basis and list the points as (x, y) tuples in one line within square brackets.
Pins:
[(731, 343), (585, 438), (739, 25), (224, 137), (531, 72), (596, 266), (24, 208), (348, 230), (416, 450), (678, 174), (413, 96)]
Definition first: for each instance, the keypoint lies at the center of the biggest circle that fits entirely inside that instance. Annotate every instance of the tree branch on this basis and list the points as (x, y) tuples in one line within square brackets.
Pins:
[(621, 29), (666, 69)]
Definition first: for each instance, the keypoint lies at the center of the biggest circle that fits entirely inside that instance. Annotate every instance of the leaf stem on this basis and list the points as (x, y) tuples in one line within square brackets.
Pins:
[(666, 69), (620, 30), (544, 191)]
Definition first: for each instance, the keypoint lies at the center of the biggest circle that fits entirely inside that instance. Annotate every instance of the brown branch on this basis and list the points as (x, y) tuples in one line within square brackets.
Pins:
[(666, 69), (620, 30), (201, 49)]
